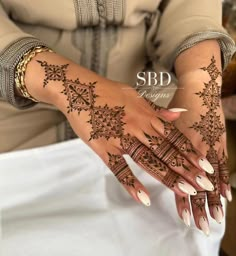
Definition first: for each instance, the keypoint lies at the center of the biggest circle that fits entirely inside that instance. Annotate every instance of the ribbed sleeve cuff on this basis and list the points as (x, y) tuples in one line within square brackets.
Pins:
[(226, 43), (9, 58)]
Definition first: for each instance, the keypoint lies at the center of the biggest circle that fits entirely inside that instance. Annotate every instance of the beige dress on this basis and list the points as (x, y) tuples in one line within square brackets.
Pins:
[(115, 38)]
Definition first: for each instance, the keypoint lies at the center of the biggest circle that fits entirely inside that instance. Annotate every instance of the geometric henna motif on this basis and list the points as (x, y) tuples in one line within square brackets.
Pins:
[(148, 160), (165, 151), (107, 122), (199, 200), (211, 128), (224, 171), (213, 197), (174, 136), (121, 170), (53, 72), (80, 96)]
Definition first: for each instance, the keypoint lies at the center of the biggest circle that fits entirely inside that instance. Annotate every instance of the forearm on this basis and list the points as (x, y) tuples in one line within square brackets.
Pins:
[(189, 63), (46, 84)]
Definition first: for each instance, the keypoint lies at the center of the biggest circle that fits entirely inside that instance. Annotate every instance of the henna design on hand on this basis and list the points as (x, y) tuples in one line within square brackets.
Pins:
[(80, 96), (224, 171), (121, 170), (53, 72), (147, 159), (199, 201), (106, 122), (211, 129), (165, 151)]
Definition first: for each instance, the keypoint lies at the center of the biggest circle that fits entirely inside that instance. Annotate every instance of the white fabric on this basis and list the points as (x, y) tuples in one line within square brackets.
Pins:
[(62, 200)]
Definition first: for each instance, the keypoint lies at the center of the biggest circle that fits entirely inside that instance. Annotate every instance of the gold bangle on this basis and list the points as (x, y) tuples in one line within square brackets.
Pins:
[(21, 69)]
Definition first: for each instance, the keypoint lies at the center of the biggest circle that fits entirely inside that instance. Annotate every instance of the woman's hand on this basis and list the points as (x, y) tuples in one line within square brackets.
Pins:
[(113, 120), (204, 124)]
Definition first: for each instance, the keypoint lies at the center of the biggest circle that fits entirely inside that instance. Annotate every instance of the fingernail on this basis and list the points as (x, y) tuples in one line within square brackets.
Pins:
[(204, 226), (177, 110), (186, 217), (187, 188), (228, 195), (144, 198), (217, 213), (205, 165), (204, 183)]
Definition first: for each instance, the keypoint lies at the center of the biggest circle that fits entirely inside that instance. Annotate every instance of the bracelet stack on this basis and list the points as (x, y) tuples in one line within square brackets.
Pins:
[(21, 69)]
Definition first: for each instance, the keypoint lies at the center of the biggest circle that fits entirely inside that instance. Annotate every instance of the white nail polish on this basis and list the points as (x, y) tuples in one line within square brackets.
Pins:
[(228, 195), (187, 188), (217, 213), (177, 110), (144, 198), (204, 226), (204, 183), (205, 165), (186, 217)]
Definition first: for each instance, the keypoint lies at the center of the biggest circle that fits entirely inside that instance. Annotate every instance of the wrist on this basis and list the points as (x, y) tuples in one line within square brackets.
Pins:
[(197, 79)]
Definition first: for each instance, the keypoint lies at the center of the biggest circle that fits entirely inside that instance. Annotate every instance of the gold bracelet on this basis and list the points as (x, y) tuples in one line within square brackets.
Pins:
[(21, 69)]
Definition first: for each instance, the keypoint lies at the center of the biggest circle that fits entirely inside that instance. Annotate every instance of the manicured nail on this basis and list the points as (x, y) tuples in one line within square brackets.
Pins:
[(217, 213), (144, 198), (204, 183), (205, 165), (228, 195), (187, 188), (177, 110), (204, 226), (186, 217)]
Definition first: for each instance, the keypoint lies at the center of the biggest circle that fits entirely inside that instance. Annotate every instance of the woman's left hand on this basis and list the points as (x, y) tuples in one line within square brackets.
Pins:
[(204, 124)]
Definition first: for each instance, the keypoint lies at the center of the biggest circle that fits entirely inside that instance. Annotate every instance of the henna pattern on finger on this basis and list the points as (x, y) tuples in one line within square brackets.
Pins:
[(199, 201), (165, 151), (174, 136), (148, 160), (107, 122), (121, 170), (224, 171)]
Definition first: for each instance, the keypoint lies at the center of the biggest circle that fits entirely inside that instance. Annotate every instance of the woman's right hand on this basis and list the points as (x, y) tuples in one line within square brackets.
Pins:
[(113, 120)]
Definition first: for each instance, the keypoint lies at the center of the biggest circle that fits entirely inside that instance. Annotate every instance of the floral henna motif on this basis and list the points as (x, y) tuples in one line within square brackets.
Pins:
[(212, 69), (121, 170), (53, 72), (214, 196), (210, 127)]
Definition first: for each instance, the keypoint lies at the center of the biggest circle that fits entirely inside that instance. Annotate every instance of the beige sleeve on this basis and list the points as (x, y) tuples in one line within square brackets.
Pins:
[(13, 44), (184, 23)]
